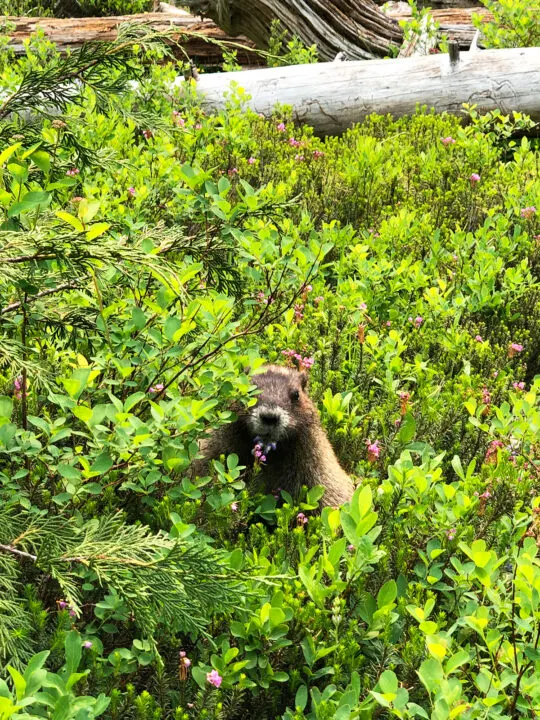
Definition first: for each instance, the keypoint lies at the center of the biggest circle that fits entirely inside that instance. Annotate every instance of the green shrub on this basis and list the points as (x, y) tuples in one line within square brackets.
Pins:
[(150, 253)]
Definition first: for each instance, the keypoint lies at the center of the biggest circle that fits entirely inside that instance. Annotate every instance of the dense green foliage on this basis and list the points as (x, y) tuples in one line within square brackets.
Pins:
[(149, 253)]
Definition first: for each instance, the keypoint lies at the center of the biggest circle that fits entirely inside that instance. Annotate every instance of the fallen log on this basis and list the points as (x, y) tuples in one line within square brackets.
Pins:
[(71, 33), (356, 27), (331, 97)]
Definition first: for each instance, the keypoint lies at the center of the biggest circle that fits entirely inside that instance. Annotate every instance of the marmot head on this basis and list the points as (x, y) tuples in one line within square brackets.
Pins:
[(283, 407)]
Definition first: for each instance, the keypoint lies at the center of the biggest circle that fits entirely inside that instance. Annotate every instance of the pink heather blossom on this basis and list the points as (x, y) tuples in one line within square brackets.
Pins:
[(518, 385), (451, 534), (475, 177), (318, 299), (491, 453), (298, 312), (87, 644), (281, 127), (397, 422), (234, 506), (72, 612), (147, 134), (306, 363), (73, 171), (363, 306), (448, 141), (373, 450), (388, 323), (455, 258), (299, 158), (62, 604), (318, 154), (232, 171), (198, 126), (485, 495), (214, 678), (77, 198), (132, 191), (351, 548), (486, 396), (294, 143), (514, 349), (177, 119), (18, 386), (495, 373), (418, 320), (479, 338), (301, 519), (156, 388), (252, 161), (528, 212)]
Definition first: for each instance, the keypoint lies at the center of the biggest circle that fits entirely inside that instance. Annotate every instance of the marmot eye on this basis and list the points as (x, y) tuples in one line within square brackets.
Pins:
[(295, 396)]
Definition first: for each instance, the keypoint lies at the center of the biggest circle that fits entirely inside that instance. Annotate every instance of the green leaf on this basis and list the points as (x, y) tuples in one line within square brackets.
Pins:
[(6, 407), (29, 202), (42, 159), (97, 230), (387, 594), (407, 429), (70, 220), (8, 152), (19, 682), (102, 463), (301, 697), (431, 674), (72, 646), (69, 472), (132, 400)]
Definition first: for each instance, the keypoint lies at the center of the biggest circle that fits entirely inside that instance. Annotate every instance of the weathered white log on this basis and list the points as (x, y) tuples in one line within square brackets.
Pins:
[(333, 96)]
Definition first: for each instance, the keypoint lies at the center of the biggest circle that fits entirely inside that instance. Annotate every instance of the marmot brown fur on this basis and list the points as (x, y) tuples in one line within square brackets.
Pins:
[(285, 426)]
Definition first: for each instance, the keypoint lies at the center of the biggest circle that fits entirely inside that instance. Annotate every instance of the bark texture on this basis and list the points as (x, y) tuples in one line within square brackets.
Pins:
[(356, 27), (69, 33), (333, 96)]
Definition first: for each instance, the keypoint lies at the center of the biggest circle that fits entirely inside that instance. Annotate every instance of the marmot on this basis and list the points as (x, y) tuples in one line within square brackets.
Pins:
[(285, 428)]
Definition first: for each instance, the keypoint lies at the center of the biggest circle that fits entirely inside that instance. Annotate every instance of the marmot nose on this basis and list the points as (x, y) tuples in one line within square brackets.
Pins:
[(269, 418)]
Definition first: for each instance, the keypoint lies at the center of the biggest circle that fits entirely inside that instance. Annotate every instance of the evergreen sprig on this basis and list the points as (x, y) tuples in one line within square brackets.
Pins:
[(160, 579)]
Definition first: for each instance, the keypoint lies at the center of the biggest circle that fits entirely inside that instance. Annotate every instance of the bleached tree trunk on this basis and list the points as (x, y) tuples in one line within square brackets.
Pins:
[(356, 27), (333, 96)]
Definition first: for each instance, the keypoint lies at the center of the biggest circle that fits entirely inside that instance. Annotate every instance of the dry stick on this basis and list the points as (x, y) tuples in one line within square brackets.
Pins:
[(64, 286)]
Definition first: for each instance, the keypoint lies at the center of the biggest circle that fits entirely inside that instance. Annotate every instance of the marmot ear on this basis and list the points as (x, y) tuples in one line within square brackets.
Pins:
[(303, 380)]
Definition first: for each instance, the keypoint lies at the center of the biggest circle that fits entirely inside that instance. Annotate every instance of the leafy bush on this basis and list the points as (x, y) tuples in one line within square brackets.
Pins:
[(514, 24), (150, 253)]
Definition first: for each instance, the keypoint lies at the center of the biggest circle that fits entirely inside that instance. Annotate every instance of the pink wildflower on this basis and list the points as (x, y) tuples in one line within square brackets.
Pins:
[(518, 385), (234, 506), (318, 299), (318, 154), (76, 199), (293, 142), (475, 177), (448, 141), (298, 312), (527, 212), (299, 158), (156, 388), (281, 127), (214, 678), (306, 363), (451, 534), (232, 171), (491, 453), (479, 338), (147, 134), (373, 450), (87, 644), (132, 191), (514, 349), (301, 519), (252, 161), (363, 306), (72, 172)]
